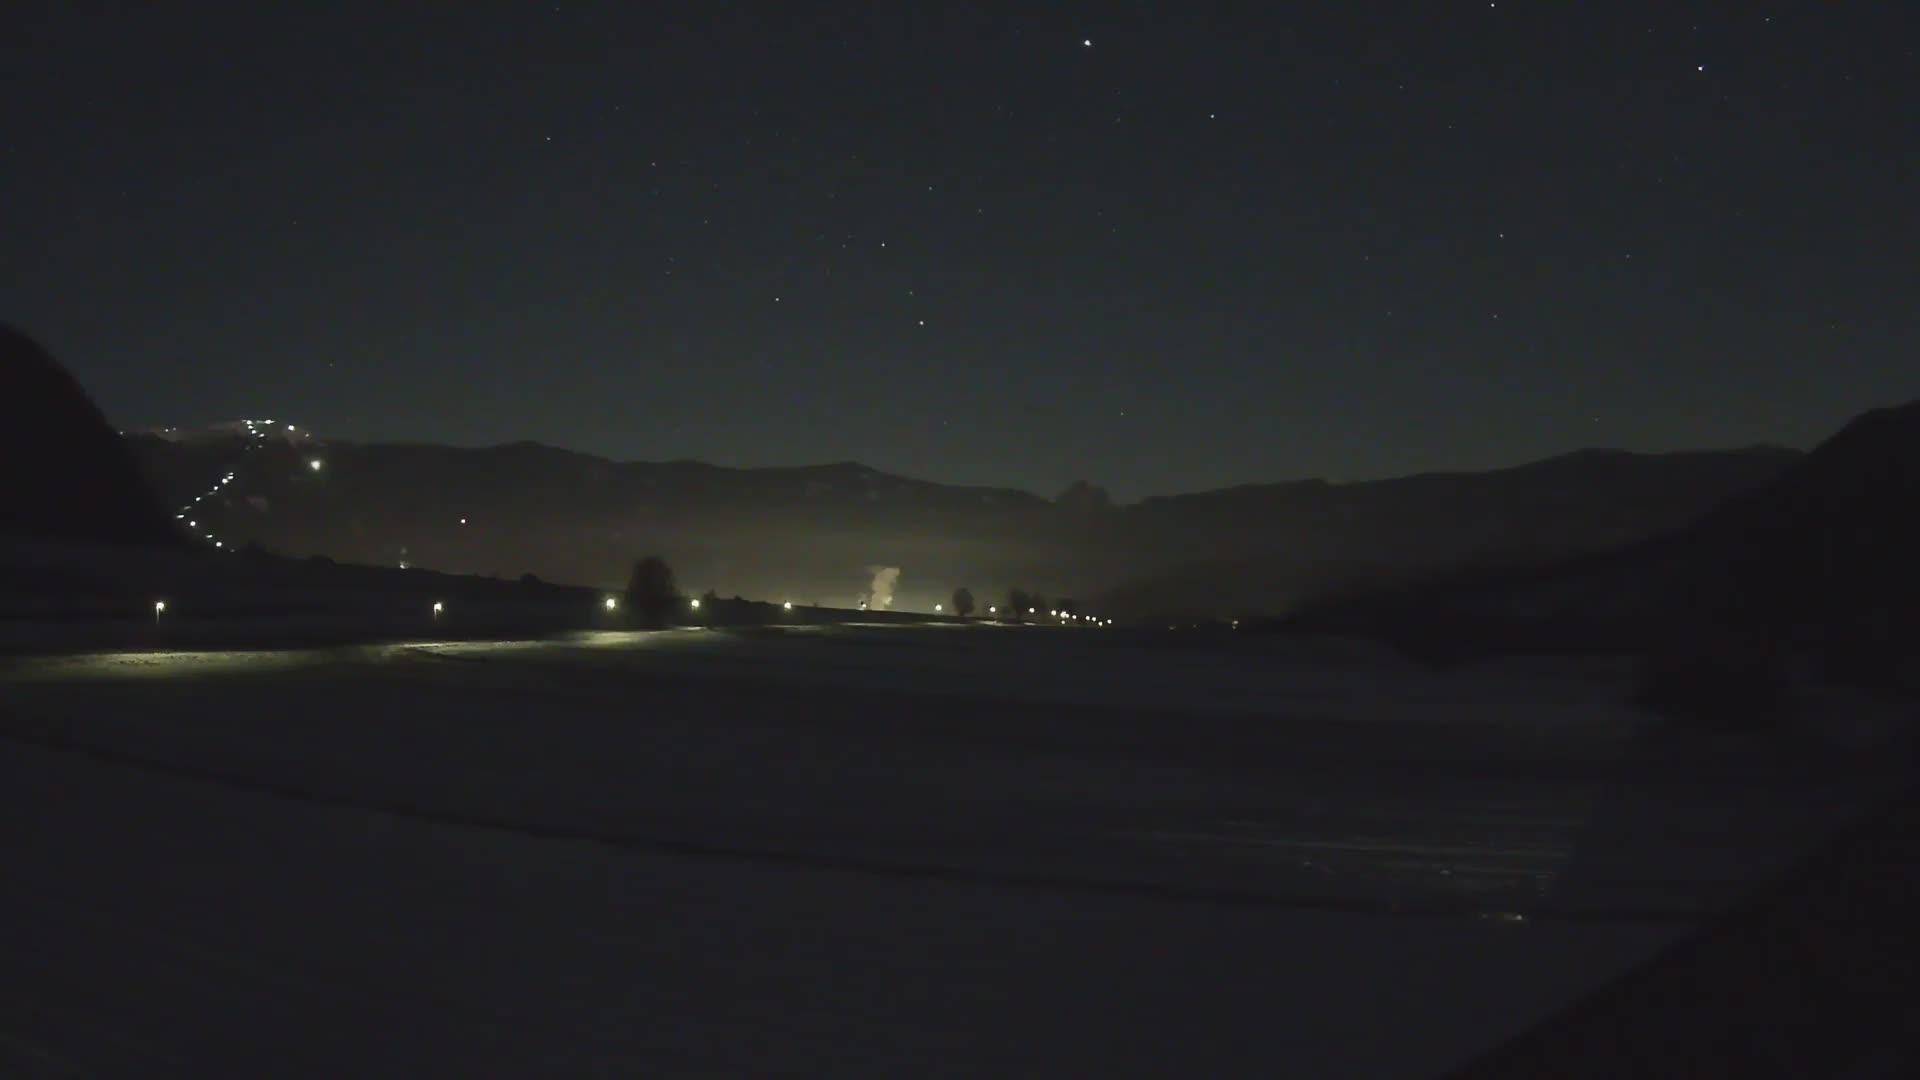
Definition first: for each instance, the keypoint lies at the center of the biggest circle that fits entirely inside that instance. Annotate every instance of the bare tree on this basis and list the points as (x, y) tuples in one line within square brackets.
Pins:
[(1017, 604), (651, 593), (963, 601)]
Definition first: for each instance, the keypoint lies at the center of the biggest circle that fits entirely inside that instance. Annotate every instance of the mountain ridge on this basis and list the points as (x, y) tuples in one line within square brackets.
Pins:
[(812, 531), (1075, 492)]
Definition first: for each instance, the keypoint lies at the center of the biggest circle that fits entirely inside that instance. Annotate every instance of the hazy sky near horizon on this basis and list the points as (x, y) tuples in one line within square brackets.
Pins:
[(1157, 246)]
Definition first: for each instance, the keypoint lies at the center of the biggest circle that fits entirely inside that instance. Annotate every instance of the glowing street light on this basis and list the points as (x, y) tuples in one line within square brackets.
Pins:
[(992, 610), (438, 607), (1029, 611), (612, 603), (315, 464), (159, 606), (788, 606), (936, 609), (694, 603)]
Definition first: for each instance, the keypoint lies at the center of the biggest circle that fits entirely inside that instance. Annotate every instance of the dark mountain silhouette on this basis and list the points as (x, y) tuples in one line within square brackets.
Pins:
[(1820, 562), (810, 533), (1274, 548), (1826, 561), (70, 476)]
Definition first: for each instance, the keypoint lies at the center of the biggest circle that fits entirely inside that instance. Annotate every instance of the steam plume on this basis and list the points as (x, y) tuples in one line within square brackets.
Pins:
[(880, 593)]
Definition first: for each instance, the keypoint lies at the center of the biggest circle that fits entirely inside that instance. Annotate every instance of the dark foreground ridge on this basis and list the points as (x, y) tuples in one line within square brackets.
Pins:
[(69, 474), (1813, 977)]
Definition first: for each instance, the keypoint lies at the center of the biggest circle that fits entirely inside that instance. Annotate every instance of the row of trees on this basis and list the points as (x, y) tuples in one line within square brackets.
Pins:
[(654, 598), (1022, 604)]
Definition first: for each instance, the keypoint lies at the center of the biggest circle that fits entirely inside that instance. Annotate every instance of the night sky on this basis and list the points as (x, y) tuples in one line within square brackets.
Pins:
[(1151, 245)]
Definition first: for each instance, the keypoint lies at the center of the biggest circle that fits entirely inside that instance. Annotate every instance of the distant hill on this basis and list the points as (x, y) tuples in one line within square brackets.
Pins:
[(812, 533), (70, 476), (1274, 548), (1822, 561)]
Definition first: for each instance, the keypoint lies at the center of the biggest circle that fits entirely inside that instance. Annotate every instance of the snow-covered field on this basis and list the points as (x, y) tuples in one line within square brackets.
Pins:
[(851, 850)]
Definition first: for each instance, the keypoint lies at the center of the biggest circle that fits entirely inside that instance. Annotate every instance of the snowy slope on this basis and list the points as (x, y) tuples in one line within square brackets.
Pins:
[(849, 852)]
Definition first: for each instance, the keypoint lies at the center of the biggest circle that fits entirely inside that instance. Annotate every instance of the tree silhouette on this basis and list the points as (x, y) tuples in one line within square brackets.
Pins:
[(1017, 604), (963, 601), (651, 593)]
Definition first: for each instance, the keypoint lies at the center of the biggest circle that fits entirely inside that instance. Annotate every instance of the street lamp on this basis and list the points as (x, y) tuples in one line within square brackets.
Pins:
[(936, 609), (158, 607), (612, 603), (315, 464), (788, 606), (992, 610), (438, 607), (694, 603)]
